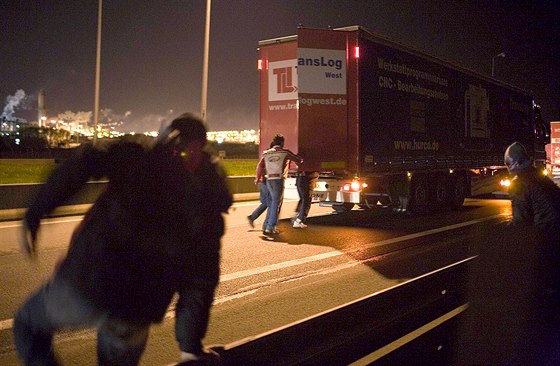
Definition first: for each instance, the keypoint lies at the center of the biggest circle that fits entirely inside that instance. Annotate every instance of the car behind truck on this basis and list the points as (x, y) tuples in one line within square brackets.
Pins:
[(386, 125)]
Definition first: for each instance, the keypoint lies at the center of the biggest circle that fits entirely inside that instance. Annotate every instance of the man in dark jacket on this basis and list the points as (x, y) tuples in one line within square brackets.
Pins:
[(209, 193), (126, 259), (535, 200)]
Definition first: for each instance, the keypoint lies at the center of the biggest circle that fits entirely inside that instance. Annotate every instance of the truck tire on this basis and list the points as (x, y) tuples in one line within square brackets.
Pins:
[(419, 195), (440, 191), (343, 208), (457, 191)]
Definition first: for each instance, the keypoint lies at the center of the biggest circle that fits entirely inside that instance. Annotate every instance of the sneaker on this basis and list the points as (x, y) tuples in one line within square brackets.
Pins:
[(300, 225), (206, 357), (271, 231), (251, 222)]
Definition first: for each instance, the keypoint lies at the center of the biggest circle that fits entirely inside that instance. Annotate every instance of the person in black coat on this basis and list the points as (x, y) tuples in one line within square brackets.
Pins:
[(514, 313), (535, 200), (209, 193), (126, 259)]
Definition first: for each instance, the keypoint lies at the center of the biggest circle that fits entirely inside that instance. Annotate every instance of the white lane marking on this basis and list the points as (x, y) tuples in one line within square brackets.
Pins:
[(7, 324), (385, 350), (318, 257)]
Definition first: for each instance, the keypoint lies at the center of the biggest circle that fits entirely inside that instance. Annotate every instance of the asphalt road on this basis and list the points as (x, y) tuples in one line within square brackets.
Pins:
[(270, 283)]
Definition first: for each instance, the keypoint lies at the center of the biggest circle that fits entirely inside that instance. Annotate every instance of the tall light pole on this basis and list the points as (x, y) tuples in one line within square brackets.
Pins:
[(493, 58), (205, 62), (97, 72)]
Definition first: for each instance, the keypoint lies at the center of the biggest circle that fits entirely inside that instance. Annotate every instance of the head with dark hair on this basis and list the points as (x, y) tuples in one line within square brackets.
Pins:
[(187, 136), (190, 127), (278, 140)]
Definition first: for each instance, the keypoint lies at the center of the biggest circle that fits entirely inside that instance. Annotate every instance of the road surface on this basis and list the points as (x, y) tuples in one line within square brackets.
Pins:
[(268, 283)]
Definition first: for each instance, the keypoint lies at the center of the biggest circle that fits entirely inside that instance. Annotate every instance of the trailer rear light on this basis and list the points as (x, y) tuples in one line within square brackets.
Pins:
[(354, 186), (545, 172), (259, 64), (357, 52)]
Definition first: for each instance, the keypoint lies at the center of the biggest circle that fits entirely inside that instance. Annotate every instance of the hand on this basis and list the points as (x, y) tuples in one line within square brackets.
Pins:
[(27, 242)]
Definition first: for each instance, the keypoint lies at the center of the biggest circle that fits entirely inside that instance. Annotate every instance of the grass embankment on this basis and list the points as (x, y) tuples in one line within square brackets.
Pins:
[(25, 170), (36, 171)]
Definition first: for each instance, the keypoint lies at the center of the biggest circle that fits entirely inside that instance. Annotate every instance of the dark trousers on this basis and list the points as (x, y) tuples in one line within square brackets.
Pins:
[(304, 187), (192, 314)]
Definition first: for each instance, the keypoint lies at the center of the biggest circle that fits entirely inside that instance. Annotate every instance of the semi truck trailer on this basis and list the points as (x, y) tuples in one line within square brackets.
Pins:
[(386, 125), (553, 149)]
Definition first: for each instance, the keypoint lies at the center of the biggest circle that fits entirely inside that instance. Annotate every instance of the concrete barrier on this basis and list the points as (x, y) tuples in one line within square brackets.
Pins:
[(14, 198)]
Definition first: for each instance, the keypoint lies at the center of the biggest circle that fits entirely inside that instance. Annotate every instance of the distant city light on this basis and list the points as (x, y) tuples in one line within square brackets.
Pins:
[(109, 131)]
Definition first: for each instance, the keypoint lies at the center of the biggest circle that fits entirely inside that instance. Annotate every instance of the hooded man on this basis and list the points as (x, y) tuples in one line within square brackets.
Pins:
[(535, 200)]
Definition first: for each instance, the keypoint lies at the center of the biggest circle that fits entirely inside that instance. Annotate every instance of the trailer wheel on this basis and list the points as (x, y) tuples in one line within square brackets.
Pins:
[(343, 208), (419, 195), (458, 191), (440, 191)]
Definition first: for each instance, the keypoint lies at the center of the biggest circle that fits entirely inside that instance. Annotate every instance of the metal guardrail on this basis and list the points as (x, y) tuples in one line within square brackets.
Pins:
[(366, 330)]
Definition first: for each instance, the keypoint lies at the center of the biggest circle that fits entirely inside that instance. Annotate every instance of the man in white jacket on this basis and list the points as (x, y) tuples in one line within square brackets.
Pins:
[(276, 165)]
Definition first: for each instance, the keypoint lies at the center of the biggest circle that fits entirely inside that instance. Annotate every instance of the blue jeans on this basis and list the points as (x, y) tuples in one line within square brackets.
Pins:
[(264, 196), (56, 305), (276, 189)]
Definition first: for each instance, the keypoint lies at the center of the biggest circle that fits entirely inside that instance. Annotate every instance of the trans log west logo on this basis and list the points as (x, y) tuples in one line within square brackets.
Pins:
[(282, 80)]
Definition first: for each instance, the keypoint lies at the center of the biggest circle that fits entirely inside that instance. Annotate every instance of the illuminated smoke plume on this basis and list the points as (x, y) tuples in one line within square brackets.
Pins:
[(109, 118), (12, 102)]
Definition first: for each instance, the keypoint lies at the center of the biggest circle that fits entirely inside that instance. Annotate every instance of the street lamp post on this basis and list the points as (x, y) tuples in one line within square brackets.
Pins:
[(205, 62), (493, 58), (97, 72)]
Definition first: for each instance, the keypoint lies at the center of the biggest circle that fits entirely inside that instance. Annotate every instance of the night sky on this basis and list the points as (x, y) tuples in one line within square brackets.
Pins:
[(151, 60)]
